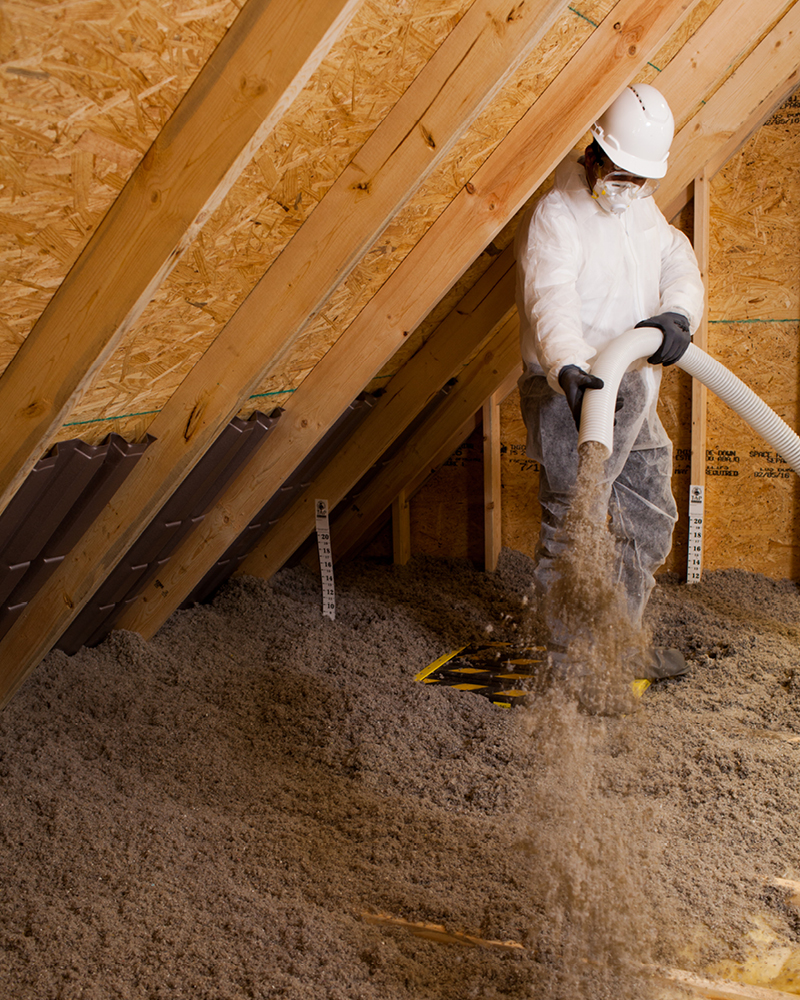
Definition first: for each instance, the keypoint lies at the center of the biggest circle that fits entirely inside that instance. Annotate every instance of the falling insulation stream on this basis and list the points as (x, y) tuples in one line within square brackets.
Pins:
[(597, 420)]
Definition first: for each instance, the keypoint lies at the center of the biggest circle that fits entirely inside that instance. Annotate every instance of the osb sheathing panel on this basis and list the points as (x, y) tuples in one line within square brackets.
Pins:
[(351, 93), (127, 65), (85, 87), (385, 46), (752, 497)]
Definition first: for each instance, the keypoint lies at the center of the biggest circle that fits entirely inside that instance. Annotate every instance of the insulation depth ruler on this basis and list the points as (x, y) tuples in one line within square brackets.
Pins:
[(325, 559), (694, 564)]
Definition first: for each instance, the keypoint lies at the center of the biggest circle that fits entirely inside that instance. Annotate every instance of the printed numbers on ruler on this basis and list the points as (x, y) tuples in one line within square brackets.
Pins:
[(325, 559), (694, 564)]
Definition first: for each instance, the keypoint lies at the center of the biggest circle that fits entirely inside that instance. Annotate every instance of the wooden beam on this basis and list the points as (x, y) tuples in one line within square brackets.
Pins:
[(448, 93), (401, 529), (429, 464), (492, 483), (724, 39), (437, 932), (613, 54), (717, 989), (733, 112), (256, 71)]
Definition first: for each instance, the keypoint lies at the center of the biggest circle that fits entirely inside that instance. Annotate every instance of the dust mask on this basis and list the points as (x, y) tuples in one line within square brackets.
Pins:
[(615, 197), (617, 190)]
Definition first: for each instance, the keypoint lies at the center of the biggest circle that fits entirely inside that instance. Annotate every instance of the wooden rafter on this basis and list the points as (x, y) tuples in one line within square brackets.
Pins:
[(244, 90), (733, 112), (450, 91), (612, 55)]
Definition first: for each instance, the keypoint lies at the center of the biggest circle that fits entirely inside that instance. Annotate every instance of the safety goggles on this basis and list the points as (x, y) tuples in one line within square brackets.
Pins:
[(624, 184)]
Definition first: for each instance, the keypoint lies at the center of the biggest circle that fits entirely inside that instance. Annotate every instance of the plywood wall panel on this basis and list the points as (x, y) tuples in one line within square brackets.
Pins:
[(752, 497)]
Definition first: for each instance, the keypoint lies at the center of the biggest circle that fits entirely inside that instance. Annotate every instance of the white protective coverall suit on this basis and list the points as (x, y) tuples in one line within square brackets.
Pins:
[(584, 276)]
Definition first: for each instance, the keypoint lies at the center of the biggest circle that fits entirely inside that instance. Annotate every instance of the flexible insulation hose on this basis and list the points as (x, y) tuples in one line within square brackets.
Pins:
[(597, 417)]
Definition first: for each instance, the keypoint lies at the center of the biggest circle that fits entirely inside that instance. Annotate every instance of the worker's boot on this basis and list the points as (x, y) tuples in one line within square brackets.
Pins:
[(661, 662)]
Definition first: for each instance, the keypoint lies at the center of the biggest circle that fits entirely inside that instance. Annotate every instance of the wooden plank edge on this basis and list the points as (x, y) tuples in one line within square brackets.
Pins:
[(716, 989), (438, 932)]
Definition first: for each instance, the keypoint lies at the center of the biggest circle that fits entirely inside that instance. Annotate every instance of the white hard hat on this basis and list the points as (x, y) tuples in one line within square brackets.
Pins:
[(636, 131)]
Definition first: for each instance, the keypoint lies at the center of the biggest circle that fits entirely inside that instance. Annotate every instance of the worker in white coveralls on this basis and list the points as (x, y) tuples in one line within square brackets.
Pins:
[(596, 257)]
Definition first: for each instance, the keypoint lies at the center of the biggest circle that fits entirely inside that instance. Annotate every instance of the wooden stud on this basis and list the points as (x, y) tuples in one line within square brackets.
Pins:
[(492, 485), (443, 451), (485, 373), (401, 529)]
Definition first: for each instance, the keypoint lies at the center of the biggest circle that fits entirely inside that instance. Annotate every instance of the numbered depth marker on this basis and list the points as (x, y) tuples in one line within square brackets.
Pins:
[(694, 564), (325, 559)]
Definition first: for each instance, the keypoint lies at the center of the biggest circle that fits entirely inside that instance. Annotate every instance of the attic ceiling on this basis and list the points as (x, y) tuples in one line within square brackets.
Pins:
[(208, 209)]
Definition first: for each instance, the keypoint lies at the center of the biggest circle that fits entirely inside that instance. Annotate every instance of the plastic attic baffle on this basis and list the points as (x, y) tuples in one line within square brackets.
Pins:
[(184, 510), (63, 494)]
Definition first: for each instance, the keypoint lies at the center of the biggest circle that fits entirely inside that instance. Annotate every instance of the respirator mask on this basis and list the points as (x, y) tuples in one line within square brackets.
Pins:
[(619, 189)]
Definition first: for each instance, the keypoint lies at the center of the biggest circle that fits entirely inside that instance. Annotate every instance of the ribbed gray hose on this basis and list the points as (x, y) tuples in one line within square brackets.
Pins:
[(597, 419)]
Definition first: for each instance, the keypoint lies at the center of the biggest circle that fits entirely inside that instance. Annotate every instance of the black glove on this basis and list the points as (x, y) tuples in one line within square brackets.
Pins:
[(575, 381), (677, 337)]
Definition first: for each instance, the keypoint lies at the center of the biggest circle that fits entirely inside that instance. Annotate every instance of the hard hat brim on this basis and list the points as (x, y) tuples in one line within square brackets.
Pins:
[(633, 164)]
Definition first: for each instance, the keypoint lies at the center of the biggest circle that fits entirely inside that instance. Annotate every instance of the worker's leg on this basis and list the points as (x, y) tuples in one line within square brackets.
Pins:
[(643, 515), (553, 443)]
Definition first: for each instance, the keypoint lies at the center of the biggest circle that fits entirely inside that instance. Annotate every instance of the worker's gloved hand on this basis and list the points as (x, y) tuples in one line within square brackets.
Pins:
[(675, 327), (575, 381)]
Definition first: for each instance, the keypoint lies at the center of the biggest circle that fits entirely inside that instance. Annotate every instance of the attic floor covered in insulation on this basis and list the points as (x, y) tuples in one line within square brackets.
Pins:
[(224, 811)]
